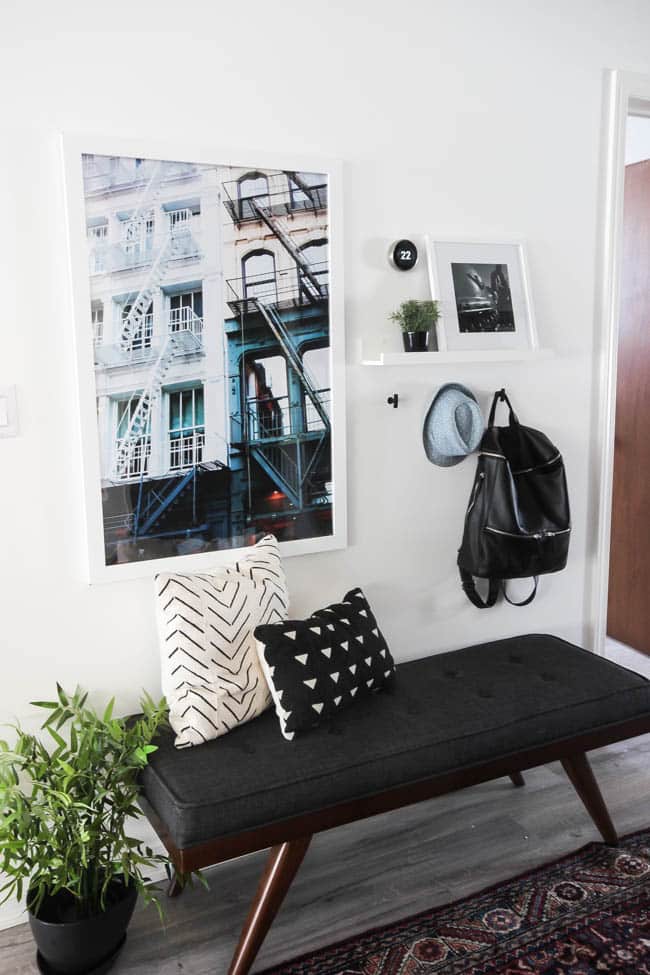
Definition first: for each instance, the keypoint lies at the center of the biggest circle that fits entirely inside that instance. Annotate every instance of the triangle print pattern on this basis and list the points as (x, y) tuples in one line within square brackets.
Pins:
[(318, 666), (210, 668)]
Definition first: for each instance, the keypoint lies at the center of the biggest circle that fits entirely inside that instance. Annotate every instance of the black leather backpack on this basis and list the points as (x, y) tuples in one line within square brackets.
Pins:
[(517, 522)]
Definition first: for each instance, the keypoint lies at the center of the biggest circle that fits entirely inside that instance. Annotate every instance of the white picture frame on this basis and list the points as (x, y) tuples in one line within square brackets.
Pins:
[(74, 148), (483, 292)]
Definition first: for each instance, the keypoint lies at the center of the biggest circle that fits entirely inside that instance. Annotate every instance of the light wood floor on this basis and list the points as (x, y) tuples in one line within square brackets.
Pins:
[(374, 872)]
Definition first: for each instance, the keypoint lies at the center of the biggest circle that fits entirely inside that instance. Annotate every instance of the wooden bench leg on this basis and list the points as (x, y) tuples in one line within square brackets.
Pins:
[(517, 779), (175, 888), (281, 867), (582, 778)]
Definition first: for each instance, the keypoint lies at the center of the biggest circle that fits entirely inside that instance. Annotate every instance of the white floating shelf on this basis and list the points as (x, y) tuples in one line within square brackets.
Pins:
[(440, 358)]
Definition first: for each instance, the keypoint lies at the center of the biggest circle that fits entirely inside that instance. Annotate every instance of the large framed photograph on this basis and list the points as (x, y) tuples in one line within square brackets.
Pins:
[(210, 353), (483, 292)]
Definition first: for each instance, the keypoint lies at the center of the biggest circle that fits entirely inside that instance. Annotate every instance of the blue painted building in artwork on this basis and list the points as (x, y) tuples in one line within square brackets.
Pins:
[(278, 354)]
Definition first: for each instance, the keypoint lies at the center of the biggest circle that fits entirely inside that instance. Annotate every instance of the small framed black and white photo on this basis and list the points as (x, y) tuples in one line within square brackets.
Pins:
[(483, 292)]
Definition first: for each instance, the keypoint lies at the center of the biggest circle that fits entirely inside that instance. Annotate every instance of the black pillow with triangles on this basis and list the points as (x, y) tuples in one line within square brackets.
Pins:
[(316, 667)]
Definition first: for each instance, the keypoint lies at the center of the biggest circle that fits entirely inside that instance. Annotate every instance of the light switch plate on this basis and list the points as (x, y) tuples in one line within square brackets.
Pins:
[(8, 412)]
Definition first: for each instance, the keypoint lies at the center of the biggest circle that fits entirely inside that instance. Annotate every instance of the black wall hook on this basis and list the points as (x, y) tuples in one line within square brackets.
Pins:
[(393, 400)]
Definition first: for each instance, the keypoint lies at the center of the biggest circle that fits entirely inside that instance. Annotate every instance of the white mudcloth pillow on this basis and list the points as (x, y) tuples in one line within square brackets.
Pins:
[(211, 674)]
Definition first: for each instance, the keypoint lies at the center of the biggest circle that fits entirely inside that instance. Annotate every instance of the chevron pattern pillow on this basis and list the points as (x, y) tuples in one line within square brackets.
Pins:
[(211, 673), (318, 666)]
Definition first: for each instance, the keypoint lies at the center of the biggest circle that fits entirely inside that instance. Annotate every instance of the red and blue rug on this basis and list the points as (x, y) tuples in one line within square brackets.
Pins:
[(586, 914)]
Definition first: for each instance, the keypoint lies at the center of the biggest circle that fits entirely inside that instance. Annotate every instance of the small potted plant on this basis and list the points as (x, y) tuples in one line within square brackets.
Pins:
[(417, 320), (65, 797)]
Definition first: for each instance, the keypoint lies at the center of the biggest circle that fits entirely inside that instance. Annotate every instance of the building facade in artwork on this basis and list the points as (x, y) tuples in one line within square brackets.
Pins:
[(210, 318)]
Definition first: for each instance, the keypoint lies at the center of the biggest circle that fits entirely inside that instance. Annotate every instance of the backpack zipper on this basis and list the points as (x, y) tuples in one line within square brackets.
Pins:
[(477, 488), (528, 470), (524, 470), (489, 453), (524, 536)]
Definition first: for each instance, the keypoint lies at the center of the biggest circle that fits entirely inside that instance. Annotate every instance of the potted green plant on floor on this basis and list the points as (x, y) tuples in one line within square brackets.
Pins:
[(66, 797), (417, 320)]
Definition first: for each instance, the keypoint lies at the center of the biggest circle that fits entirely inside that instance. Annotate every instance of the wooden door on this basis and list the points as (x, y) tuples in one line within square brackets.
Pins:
[(629, 570)]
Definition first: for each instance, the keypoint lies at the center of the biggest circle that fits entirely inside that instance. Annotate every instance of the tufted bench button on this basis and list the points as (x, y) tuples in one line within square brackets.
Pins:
[(334, 729), (548, 677), (245, 748), (514, 658), (451, 674), (484, 693)]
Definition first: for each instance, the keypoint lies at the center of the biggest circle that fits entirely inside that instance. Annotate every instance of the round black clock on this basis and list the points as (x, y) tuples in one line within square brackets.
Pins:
[(404, 255)]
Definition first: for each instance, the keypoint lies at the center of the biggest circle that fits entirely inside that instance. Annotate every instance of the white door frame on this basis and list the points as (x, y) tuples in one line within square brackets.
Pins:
[(626, 94)]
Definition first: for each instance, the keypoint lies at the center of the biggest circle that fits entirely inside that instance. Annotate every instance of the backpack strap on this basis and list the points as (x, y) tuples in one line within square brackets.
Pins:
[(501, 397), (527, 600), (469, 588)]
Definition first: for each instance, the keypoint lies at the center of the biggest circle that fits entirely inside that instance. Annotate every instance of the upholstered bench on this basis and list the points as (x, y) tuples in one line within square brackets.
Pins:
[(451, 720)]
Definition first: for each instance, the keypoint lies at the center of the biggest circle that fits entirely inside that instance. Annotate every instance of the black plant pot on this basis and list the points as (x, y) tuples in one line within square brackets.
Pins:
[(416, 341), (71, 946)]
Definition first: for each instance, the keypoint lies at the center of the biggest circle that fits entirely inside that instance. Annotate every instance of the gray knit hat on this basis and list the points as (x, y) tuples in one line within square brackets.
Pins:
[(453, 427)]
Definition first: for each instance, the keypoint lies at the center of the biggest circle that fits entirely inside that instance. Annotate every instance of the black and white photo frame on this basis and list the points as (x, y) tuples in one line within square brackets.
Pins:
[(483, 291)]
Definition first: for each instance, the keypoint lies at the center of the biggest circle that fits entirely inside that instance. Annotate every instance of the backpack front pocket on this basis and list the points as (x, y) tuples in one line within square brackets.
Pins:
[(518, 555)]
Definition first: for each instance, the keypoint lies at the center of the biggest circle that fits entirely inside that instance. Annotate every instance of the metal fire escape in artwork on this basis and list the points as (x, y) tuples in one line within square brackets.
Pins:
[(181, 338), (281, 456)]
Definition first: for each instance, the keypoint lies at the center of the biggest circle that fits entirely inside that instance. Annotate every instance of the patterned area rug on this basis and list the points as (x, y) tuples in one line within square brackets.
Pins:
[(586, 914)]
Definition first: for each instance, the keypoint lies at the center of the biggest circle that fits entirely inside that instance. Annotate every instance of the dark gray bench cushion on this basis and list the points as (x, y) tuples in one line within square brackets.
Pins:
[(447, 711)]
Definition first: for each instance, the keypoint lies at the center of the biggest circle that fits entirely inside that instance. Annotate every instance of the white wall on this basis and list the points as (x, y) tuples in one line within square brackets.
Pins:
[(451, 118), (637, 139)]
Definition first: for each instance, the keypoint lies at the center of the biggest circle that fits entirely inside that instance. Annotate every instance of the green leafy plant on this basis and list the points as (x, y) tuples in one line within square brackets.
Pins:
[(64, 808), (416, 316)]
